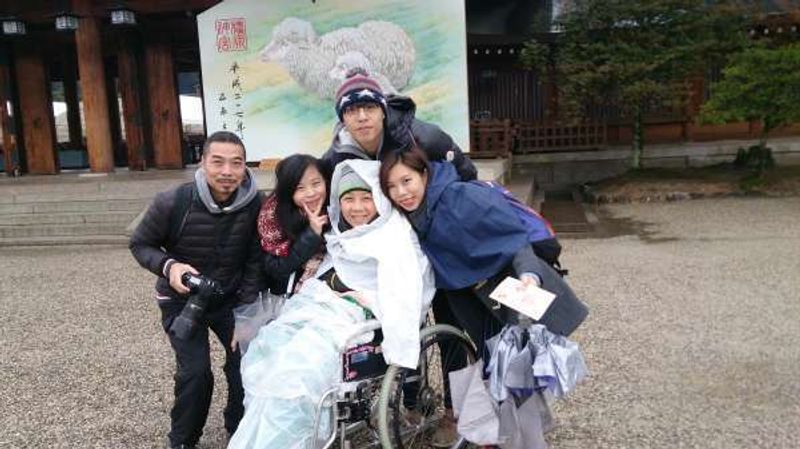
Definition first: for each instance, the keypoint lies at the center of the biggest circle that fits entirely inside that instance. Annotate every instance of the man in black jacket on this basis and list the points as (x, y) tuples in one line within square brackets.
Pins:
[(204, 227), (372, 125)]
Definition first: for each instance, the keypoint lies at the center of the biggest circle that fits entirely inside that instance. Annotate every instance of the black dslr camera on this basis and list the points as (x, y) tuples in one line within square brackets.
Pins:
[(202, 292)]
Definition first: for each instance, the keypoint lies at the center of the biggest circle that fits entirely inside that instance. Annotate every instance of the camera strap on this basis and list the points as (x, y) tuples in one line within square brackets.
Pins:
[(184, 197)]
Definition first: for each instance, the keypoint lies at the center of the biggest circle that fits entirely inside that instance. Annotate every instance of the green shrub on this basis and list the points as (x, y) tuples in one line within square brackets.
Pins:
[(758, 158)]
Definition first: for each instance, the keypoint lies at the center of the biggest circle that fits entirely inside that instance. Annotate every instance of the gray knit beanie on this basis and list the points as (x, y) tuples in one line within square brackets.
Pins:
[(349, 181)]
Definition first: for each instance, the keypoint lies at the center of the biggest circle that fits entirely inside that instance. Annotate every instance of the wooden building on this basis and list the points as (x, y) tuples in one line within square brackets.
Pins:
[(514, 111), (115, 67), (119, 84)]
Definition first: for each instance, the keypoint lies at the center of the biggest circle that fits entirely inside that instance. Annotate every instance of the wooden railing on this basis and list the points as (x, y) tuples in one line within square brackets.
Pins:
[(499, 138), (538, 137), (491, 138)]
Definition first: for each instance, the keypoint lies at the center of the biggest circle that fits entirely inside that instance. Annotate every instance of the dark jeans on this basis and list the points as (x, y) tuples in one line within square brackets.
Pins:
[(194, 381), (472, 315), (453, 359)]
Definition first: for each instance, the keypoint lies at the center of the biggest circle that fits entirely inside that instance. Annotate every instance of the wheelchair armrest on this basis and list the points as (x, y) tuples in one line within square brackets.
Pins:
[(367, 326)]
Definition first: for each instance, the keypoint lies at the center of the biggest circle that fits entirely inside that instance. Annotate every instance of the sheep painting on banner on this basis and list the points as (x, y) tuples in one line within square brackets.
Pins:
[(270, 69)]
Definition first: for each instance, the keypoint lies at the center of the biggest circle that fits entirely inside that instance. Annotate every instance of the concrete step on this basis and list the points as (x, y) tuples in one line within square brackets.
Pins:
[(85, 208), (116, 240), (145, 184), (60, 197), (74, 206), (53, 230), (492, 169), (525, 186), (78, 184), (522, 188), (69, 218), (564, 209)]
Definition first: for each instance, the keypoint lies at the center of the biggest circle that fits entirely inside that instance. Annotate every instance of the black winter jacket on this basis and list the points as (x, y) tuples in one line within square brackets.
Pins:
[(401, 129), (222, 246)]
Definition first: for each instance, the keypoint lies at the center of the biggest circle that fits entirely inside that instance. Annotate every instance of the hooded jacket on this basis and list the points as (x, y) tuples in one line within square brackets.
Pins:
[(471, 234), (400, 129), (468, 231), (220, 242)]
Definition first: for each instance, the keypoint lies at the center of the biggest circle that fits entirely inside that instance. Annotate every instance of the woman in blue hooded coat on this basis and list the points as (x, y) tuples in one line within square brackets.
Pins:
[(473, 238)]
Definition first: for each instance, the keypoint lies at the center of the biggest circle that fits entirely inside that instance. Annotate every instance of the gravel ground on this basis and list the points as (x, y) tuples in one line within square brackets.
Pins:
[(693, 339)]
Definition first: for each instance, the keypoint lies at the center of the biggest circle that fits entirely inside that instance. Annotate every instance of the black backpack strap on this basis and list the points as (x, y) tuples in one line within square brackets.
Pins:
[(255, 207), (184, 196)]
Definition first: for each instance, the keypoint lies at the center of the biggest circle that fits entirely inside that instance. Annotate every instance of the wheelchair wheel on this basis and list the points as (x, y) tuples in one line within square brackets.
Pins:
[(414, 402)]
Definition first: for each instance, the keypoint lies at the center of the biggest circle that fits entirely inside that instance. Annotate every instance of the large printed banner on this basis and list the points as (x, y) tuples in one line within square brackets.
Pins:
[(271, 68)]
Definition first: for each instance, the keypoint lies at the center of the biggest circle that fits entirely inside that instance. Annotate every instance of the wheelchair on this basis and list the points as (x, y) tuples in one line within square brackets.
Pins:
[(390, 407)]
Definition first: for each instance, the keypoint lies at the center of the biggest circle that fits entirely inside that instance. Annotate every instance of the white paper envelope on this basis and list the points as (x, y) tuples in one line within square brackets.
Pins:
[(528, 300)]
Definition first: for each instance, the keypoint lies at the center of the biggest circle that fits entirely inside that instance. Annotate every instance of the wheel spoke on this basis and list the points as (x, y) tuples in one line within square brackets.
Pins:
[(428, 385)]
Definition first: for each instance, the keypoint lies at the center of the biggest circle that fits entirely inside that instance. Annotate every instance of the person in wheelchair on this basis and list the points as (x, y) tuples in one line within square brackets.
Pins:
[(373, 265)]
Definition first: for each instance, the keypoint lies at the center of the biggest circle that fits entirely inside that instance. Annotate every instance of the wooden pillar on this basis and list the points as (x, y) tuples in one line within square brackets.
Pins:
[(5, 122), (163, 98), (128, 69), (114, 120), (95, 97), (71, 99), (38, 127)]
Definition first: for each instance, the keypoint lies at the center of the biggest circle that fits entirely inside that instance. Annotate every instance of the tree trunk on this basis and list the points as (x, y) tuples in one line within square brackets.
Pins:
[(766, 128), (765, 161), (638, 140)]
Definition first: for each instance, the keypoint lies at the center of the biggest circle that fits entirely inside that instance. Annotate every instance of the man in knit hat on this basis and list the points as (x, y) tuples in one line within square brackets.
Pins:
[(372, 125)]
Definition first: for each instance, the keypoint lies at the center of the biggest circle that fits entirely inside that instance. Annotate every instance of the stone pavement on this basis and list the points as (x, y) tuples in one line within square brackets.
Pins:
[(693, 338)]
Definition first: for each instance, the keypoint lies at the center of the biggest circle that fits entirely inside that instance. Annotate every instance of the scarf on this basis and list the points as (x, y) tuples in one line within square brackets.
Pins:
[(273, 239)]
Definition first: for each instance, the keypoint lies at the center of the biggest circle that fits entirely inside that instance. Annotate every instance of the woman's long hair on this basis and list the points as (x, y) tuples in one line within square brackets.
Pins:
[(289, 172)]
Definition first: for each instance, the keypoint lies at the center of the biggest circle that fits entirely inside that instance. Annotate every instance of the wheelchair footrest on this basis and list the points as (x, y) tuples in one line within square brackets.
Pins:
[(354, 407)]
